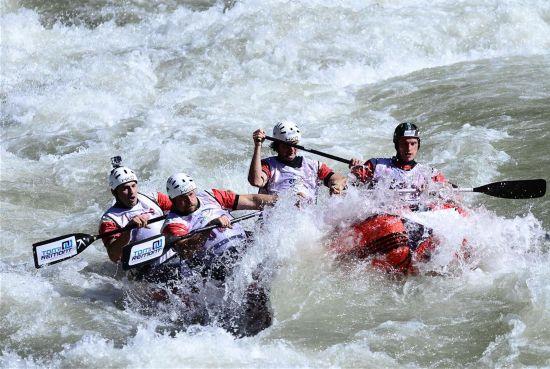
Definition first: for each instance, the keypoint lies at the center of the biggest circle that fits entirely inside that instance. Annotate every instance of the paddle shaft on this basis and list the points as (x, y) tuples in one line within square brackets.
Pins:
[(414, 190), (313, 151)]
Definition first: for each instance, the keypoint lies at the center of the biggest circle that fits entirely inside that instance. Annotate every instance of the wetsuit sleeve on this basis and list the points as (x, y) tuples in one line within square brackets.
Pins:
[(164, 201), (105, 226), (227, 199), (365, 172), (175, 229), (439, 177), (265, 168), (324, 172)]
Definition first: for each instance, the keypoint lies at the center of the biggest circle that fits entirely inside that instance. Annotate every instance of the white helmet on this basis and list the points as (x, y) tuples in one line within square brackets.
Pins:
[(179, 184), (121, 175), (287, 131)]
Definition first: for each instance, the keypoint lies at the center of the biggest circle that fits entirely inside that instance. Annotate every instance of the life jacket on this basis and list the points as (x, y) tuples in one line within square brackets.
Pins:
[(146, 205), (209, 209), (386, 172), (284, 177)]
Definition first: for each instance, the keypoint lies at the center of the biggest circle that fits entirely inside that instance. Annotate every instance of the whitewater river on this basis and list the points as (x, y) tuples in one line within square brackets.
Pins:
[(181, 85)]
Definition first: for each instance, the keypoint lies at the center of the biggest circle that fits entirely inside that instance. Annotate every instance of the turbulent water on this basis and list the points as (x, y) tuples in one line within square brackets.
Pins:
[(181, 85)]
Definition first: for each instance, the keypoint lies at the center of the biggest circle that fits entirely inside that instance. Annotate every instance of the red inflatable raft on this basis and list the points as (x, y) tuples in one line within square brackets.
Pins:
[(393, 244)]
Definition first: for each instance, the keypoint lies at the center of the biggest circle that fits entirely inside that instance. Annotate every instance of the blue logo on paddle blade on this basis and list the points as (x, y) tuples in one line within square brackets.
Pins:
[(143, 253), (65, 248), (157, 245)]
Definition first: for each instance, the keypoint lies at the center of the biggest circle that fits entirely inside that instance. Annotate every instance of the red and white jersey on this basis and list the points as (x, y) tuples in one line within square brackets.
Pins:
[(303, 175), (116, 217), (211, 206), (389, 173), (416, 177), (397, 175)]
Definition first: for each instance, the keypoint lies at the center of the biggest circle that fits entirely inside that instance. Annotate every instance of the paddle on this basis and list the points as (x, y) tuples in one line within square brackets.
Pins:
[(143, 252), (313, 151), (65, 247), (519, 189)]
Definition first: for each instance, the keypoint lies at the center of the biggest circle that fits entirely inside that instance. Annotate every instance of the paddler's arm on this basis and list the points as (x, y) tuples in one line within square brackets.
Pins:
[(114, 249), (451, 199), (256, 177), (337, 184), (114, 245), (254, 201), (364, 172), (334, 181), (187, 247)]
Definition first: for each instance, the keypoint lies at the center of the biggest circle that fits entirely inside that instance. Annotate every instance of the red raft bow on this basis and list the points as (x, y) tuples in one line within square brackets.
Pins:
[(394, 244)]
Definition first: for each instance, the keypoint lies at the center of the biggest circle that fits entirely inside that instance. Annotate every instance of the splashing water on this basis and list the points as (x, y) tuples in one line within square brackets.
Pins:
[(181, 85)]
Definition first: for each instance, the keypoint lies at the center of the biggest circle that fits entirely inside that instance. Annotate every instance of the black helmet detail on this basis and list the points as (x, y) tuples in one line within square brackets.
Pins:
[(405, 129)]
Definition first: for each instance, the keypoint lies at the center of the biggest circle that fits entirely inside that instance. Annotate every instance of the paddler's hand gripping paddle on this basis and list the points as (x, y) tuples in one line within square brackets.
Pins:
[(65, 247), (143, 252)]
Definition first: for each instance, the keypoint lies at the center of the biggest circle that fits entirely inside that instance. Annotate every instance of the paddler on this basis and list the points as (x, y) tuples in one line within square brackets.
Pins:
[(287, 170), (214, 253), (132, 207), (400, 171), (192, 209), (396, 240)]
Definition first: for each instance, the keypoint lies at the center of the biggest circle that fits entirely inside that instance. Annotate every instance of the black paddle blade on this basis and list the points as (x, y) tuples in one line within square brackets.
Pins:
[(60, 248), (523, 189)]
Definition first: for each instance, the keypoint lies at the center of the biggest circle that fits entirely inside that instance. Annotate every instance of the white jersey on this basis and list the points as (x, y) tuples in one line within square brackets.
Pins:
[(386, 173), (209, 209), (417, 177), (284, 177), (145, 205)]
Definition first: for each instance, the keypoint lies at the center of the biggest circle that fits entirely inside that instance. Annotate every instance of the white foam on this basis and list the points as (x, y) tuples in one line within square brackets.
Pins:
[(182, 90)]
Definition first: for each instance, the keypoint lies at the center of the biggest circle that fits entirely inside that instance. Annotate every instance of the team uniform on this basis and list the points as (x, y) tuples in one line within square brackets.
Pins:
[(221, 247), (300, 175), (116, 217), (396, 175), (214, 255)]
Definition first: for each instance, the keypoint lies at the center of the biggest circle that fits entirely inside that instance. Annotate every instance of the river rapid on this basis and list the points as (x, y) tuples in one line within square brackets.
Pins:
[(181, 85)]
